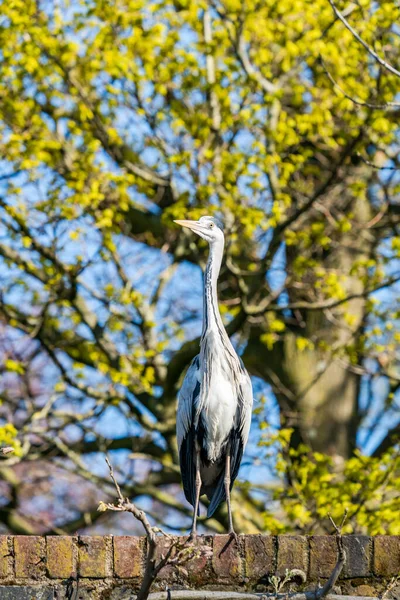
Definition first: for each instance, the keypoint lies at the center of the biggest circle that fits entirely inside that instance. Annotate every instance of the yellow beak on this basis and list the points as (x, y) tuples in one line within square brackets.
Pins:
[(193, 225)]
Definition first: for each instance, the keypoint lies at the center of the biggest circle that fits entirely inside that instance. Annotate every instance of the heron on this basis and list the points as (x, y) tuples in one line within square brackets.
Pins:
[(215, 400)]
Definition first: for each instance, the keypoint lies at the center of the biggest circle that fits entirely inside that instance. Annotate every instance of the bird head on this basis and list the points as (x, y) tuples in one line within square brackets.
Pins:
[(209, 228)]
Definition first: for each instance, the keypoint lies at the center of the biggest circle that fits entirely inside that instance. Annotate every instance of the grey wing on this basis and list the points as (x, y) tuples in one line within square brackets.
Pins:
[(185, 430), (238, 439), (240, 433), (245, 407)]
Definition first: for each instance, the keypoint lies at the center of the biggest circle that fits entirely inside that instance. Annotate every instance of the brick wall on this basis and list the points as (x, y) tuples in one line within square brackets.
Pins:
[(110, 566)]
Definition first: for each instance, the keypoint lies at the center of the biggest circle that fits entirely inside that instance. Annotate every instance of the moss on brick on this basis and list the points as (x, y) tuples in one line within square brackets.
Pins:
[(60, 557)]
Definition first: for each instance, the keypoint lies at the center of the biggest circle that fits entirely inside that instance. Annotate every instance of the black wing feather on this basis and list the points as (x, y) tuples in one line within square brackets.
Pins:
[(188, 466), (187, 458)]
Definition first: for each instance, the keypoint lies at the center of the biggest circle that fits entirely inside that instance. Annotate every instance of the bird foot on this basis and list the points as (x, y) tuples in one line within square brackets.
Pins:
[(193, 536), (233, 535)]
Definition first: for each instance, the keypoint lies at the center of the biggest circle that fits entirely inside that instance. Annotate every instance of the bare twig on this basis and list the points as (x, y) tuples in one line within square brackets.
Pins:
[(327, 588), (10, 175), (114, 480), (392, 584), (125, 505), (175, 554), (368, 48), (386, 105), (267, 302), (211, 78), (251, 71), (6, 450), (319, 305), (375, 166)]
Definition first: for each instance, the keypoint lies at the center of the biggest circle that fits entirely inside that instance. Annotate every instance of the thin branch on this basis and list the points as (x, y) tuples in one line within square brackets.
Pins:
[(322, 305), (114, 480), (368, 48), (137, 444), (6, 450), (392, 584), (211, 78), (295, 216), (10, 175), (124, 505), (341, 561), (375, 166), (119, 152), (267, 302), (354, 100), (176, 553), (250, 70), (390, 439)]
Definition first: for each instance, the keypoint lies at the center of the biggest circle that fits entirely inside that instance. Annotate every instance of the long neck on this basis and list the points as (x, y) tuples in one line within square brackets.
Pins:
[(212, 321), (214, 334)]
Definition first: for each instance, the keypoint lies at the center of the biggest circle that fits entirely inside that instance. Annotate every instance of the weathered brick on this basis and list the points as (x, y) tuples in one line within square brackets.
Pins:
[(226, 558), (292, 553), (259, 556), (394, 593), (29, 553), (121, 592), (60, 557), (93, 556), (199, 563), (323, 556), (387, 555), (4, 556), (194, 563), (27, 592), (128, 556), (169, 572), (358, 553), (364, 590), (216, 561)]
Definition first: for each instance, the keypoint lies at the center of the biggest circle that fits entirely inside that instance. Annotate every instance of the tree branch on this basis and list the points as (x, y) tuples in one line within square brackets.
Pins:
[(175, 553), (251, 71), (322, 305), (368, 48), (341, 561), (357, 102), (210, 64), (135, 444), (391, 438)]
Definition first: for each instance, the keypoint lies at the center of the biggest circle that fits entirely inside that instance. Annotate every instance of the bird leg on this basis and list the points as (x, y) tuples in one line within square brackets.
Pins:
[(193, 533), (227, 482)]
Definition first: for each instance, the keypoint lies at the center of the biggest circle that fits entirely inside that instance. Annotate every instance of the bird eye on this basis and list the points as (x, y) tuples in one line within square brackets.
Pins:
[(211, 225)]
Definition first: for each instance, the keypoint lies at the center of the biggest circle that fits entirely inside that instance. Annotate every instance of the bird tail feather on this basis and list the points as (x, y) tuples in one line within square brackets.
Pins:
[(217, 497)]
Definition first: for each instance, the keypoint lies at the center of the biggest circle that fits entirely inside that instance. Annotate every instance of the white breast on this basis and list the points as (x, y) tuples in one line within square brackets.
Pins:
[(218, 414), (219, 405)]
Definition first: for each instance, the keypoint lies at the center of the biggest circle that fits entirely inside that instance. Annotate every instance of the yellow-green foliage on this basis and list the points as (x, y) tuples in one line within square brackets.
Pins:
[(8, 438), (314, 485), (118, 116), (69, 78), (59, 67)]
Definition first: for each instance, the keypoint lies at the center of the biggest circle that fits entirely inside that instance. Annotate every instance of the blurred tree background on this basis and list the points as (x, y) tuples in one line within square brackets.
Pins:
[(117, 117)]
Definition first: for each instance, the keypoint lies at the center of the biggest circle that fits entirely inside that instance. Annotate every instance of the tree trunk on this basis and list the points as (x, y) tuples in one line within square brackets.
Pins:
[(316, 391)]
